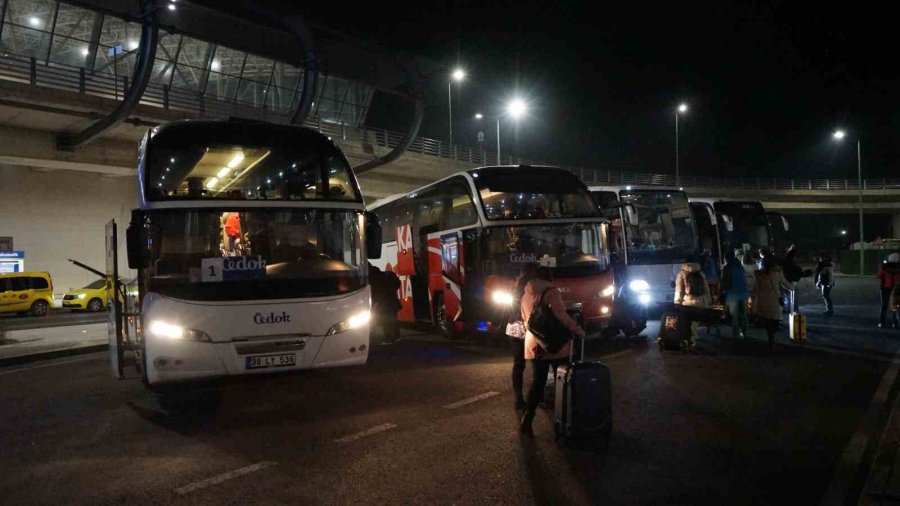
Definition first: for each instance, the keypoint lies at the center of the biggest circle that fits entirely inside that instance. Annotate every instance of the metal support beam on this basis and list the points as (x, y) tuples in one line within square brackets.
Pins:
[(417, 93), (143, 68)]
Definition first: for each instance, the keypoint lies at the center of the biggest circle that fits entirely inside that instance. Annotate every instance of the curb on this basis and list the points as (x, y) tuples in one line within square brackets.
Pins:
[(49, 355)]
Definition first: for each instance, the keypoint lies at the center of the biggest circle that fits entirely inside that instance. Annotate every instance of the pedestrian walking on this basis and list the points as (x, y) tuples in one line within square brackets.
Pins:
[(692, 290), (736, 295), (710, 268), (765, 295), (825, 282), (515, 330), (889, 279), (385, 304), (538, 291)]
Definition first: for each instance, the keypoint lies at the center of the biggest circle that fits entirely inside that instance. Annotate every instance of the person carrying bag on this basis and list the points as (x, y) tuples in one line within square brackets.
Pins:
[(548, 337)]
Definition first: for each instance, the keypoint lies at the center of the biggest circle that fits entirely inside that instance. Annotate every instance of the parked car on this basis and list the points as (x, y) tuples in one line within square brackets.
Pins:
[(93, 297), (26, 292)]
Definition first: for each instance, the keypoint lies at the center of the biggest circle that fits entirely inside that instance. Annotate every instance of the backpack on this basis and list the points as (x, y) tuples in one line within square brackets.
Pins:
[(550, 333), (694, 284)]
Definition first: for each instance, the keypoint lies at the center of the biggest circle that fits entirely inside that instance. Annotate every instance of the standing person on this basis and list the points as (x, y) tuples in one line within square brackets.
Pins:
[(540, 290), (711, 271), (792, 273), (825, 282), (232, 227), (385, 303), (736, 294), (765, 295), (692, 290), (888, 278), (515, 330)]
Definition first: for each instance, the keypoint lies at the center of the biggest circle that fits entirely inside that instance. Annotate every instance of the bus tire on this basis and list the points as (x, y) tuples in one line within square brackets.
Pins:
[(441, 320)]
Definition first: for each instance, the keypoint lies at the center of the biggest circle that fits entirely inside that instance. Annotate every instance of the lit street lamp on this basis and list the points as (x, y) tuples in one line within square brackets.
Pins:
[(682, 108), (839, 136), (515, 109), (457, 76)]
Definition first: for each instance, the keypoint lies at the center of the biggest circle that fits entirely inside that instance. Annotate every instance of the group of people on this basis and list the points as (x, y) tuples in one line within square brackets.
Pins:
[(762, 286)]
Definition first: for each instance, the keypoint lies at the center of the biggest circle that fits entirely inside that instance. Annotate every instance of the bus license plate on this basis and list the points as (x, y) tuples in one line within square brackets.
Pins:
[(264, 361)]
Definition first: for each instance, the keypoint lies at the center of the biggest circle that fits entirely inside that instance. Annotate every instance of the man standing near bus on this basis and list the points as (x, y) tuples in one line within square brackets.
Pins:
[(385, 303)]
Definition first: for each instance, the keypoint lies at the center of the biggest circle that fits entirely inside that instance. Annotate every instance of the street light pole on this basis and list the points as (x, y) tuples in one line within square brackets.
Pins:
[(457, 75), (450, 109), (862, 255), (498, 140), (682, 108), (677, 180)]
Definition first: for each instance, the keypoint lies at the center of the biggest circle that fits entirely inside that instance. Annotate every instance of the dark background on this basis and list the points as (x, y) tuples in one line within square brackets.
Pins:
[(767, 83)]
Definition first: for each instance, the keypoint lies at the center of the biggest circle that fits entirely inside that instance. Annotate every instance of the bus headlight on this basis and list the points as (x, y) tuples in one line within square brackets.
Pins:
[(354, 322), (170, 331), (608, 291), (644, 298), (502, 297), (639, 285)]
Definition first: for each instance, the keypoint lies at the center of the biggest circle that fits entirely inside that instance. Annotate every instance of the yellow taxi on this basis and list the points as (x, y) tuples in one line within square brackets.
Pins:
[(94, 297), (26, 292)]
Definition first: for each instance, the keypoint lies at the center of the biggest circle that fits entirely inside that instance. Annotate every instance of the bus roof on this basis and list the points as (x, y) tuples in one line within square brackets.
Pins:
[(618, 188)]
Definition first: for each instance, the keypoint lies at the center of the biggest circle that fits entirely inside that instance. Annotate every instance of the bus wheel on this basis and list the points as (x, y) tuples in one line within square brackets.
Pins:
[(441, 320)]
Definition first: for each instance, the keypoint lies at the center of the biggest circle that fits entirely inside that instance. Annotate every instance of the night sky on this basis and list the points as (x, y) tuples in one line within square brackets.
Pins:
[(767, 84)]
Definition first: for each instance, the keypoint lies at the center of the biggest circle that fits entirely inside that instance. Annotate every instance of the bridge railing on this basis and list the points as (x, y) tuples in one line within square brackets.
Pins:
[(27, 70)]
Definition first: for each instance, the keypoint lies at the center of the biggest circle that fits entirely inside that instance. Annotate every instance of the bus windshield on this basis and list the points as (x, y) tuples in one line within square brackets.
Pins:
[(250, 254), (572, 248), (660, 229), (233, 161), (749, 225), (532, 193)]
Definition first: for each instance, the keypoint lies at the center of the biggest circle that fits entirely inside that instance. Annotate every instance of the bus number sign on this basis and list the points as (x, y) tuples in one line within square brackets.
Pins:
[(219, 269)]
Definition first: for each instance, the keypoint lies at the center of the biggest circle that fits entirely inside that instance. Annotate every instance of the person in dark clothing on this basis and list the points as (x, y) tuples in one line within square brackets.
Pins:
[(515, 330), (888, 278), (385, 303), (735, 294), (825, 282)]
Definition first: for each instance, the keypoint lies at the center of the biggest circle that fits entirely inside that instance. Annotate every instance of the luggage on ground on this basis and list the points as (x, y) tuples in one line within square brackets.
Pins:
[(674, 330), (797, 327), (583, 409)]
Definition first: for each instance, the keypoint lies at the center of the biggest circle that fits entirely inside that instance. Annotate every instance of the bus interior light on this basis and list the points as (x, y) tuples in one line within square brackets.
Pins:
[(502, 297)]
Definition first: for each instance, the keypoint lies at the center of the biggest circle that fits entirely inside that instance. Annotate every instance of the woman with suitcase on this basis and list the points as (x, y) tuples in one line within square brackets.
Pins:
[(764, 300), (540, 291)]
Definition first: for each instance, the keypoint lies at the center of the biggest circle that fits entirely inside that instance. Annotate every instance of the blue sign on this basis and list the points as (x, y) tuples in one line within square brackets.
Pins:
[(219, 269), (12, 254)]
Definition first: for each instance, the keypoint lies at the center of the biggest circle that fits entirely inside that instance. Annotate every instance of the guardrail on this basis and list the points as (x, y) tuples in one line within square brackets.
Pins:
[(27, 70)]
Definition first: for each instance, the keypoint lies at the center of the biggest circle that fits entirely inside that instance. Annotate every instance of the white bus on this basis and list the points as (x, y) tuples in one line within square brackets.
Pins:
[(652, 234), (732, 224), (250, 246)]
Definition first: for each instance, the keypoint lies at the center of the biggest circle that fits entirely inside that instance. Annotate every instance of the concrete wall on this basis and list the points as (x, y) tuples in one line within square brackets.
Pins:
[(57, 215)]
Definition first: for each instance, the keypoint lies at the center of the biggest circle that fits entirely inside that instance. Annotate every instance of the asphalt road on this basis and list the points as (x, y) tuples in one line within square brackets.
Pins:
[(429, 422)]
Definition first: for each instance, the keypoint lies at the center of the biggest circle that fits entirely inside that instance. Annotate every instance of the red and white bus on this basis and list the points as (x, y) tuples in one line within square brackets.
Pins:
[(458, 245)]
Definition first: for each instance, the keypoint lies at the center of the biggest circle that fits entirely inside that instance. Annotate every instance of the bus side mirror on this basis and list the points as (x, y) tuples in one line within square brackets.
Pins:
[(632, 213), (373, 236), (729, 225), (784, 222), (136, 243)]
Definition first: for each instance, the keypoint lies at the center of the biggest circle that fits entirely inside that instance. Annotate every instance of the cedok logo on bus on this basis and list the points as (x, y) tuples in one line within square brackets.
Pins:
[(232, 268)]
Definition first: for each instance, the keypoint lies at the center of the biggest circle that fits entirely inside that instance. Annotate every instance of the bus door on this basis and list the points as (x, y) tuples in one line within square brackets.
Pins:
[(778, 231), (707, 229), (449, 270)]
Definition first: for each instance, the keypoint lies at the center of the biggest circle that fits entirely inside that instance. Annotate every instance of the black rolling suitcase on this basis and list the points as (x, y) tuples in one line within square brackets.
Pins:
[(583, 409), (674, 329)]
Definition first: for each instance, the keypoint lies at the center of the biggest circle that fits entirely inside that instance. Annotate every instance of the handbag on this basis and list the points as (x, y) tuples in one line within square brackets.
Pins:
[(550, 333), (516, 329)]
